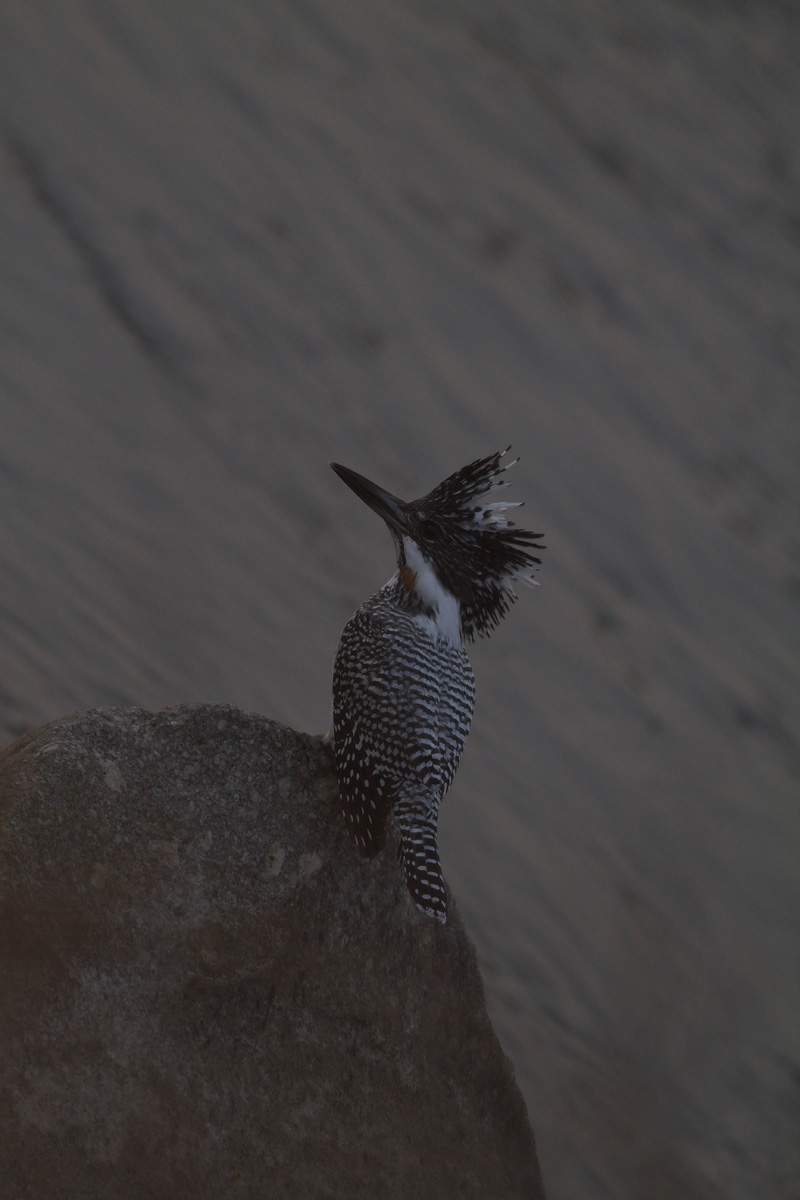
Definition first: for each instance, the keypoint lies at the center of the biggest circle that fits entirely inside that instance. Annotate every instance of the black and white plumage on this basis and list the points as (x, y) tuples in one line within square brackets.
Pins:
[(403, 688)]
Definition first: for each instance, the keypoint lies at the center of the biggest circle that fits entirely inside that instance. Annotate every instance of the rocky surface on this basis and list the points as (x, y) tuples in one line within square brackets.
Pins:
[(207, 993)]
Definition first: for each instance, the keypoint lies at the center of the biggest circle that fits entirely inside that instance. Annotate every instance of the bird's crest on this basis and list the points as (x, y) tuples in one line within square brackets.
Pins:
[(475, 550)]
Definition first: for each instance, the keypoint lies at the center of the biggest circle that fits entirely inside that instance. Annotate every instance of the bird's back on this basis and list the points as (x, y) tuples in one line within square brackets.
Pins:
[(402, 706)]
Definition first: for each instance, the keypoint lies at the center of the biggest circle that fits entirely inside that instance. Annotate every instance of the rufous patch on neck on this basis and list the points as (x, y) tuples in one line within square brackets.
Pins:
[(408, 578)]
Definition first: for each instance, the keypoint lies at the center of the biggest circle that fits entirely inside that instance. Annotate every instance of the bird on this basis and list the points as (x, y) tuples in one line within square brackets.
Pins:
[(403, 686)]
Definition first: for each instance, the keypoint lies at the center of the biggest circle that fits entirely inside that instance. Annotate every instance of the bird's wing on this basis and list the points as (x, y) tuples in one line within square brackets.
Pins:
[(359, 712), (401, 712)]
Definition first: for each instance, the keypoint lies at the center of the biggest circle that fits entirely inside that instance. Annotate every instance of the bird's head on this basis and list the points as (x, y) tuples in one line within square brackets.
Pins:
[(454, 546)]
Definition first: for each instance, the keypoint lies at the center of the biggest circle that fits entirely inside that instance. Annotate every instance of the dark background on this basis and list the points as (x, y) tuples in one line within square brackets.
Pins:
[(239, 239)]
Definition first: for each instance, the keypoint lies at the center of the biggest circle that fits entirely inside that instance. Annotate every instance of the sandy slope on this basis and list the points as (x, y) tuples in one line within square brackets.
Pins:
[(239, 240)]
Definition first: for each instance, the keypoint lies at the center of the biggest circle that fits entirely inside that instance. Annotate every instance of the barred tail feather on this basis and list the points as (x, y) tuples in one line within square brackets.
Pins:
[(420, 858)]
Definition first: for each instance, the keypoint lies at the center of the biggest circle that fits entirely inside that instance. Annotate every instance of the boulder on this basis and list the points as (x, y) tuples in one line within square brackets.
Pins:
[(205, 991)]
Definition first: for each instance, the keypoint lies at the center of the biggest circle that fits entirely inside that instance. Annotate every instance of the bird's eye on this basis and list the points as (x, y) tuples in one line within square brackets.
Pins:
[(427, 527)]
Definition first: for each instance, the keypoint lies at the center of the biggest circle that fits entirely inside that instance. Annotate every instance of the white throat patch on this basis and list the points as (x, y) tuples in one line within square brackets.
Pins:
[(446, 619)]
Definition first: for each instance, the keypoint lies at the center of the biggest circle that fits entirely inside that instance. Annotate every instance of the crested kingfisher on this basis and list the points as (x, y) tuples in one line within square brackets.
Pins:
[(403, 688)]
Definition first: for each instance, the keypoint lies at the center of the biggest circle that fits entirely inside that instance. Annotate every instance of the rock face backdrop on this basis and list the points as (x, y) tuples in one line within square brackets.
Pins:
[(206, 992), (242, 238)]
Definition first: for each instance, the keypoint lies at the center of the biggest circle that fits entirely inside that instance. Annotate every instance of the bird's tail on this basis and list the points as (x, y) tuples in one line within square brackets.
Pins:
[(420, 857)]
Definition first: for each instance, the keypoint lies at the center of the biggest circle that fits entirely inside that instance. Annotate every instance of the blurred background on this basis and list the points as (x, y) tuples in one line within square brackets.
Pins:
[(239, 239)]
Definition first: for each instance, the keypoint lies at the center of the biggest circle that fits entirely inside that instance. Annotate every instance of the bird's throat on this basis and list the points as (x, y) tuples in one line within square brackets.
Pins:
[(442, 609)]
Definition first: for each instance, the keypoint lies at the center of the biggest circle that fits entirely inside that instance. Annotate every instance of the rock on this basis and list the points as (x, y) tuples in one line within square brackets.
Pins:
[(206, 992)]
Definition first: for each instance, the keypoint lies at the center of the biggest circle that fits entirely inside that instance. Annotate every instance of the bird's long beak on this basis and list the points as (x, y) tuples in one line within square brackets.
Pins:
[(383, 503)]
